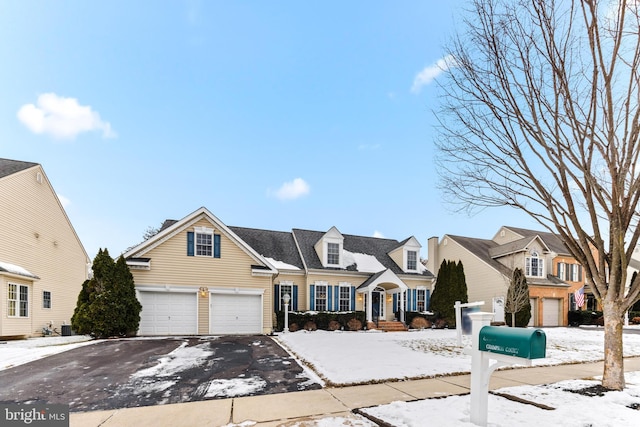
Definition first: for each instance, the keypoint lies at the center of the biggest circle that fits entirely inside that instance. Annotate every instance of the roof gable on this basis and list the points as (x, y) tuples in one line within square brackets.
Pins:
[(552, 241), (9, 167), (173, 228)]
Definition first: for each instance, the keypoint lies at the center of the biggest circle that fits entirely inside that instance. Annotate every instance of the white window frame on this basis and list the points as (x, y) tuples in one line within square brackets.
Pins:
[(318, 298), (421, 297), (45, 299), (529, 265), (15, 303), (285, 288), (329, 254), (562, 271), (342, 300), (204, 249), (415, 260)]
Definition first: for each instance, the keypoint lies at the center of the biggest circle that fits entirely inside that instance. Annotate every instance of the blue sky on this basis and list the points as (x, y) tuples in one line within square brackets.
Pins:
[(274, 115)]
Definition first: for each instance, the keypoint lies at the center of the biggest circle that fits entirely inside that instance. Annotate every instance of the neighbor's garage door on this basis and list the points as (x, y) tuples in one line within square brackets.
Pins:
[(168, 313), (551, 312), (236, 314)]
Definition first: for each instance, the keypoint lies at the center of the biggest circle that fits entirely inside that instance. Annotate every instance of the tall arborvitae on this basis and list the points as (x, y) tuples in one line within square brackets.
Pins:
[(107, 305)]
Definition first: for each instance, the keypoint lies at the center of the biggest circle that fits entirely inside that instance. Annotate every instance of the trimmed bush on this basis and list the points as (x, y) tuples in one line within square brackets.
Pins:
[(420, 322), (322, 319), (354, 324), (334, 325), (310, 326)]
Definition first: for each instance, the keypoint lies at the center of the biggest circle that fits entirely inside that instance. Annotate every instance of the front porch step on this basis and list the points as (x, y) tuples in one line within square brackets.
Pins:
[(388, 326)]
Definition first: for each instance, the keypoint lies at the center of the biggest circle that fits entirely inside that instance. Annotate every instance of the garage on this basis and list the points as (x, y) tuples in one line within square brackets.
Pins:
[(236, 313), (551, 312), (168, 313)]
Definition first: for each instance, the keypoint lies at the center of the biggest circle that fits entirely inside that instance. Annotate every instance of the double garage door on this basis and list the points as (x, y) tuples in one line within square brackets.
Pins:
[(175, 313)]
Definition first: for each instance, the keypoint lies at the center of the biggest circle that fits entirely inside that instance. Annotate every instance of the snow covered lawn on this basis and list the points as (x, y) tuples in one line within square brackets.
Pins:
[(343, 358)]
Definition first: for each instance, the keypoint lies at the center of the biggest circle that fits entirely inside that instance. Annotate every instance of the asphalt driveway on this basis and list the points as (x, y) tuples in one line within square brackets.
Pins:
[(141, 372)]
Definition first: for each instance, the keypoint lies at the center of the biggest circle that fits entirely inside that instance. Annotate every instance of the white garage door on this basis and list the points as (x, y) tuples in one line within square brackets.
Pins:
[(551, 312), (168, 313), (236, 314)]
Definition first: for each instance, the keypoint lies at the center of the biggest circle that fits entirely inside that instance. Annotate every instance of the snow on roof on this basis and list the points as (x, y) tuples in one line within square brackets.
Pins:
[(16, 269), (365, 263), (279, 265)]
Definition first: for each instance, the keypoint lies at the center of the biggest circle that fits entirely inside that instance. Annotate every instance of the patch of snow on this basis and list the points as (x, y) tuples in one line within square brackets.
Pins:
[(235, 387), (570, 409), (365, 263), (16, 269), (180, 359), (19, 352), (280, 265), (421, 354)]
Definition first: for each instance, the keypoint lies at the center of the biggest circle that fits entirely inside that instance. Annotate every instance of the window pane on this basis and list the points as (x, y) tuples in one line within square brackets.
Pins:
[(204, 244), (285, 289), (345, 298), (333, 253), (24, 301), (411, 260), (420, 299), (321, 297), (46, 299)]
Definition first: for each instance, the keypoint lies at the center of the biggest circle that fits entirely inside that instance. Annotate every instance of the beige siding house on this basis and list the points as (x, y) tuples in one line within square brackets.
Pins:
[(199, 276), (42, 261), (552, 274)]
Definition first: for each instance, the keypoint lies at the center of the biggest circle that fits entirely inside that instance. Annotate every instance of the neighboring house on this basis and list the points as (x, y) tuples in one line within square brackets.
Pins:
[(42, 261), (552, 273), (199, 276)]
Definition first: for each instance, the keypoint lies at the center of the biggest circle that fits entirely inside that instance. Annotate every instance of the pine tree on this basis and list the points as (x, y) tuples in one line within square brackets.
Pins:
[(107, 305), (450, 287), (517, 303)]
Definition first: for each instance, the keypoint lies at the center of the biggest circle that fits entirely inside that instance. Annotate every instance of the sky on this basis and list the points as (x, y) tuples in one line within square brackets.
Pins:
[(272, 115)]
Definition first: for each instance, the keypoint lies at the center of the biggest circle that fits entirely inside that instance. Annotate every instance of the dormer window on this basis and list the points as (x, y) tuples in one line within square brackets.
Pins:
[(534, 265), (333, 254), (412, 260)]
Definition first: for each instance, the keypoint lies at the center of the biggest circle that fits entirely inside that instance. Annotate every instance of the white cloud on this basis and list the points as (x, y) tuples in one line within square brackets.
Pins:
[(378, 234), (62, 118), (63, 200), (293, 190), (430, 72)]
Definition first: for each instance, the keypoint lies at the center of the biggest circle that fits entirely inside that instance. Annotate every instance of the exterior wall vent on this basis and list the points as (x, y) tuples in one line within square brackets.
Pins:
[(39, 177)]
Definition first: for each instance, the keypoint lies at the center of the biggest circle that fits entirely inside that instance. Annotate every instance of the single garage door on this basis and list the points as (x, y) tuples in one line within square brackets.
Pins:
[(236, 314), (551, 312), (168, 313)]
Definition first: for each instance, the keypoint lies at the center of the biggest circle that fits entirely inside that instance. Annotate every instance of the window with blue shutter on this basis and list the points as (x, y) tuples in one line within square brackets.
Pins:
[(336, 297), (312, 297), (353, 298), (414, 300), (329, 298), (190, 243)]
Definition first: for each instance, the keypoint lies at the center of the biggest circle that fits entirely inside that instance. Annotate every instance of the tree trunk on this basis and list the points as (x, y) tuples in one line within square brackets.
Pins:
[(613, 377)]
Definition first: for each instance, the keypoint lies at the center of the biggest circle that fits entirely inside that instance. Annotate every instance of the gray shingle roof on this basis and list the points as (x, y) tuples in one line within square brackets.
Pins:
[(278, 245), (9, 167), (553, 241)]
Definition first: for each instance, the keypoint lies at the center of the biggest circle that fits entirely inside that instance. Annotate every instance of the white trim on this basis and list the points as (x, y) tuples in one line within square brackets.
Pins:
[(168, 288), (237, 291)]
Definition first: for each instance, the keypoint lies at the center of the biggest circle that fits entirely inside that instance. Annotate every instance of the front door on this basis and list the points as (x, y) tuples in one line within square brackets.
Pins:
[(377, 304)]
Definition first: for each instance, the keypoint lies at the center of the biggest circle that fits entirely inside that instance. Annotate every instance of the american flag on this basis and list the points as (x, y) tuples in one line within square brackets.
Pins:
[(579, 297)]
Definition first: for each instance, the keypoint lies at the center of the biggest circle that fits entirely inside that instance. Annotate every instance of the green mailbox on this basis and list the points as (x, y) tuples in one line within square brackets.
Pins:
[(517, 342)]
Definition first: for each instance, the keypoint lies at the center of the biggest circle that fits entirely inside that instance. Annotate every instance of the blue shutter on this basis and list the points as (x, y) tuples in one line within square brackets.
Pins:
[(337, 298), (276, 297), (189, 243), (427, 299), (216, 246), (395, 303), (329, 298), (414, 299), (353, 298), (408, 305), (294, 298), (312, 297)]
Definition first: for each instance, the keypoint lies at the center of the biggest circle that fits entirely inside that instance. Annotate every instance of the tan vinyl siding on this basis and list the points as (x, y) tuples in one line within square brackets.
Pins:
[(396, 256), (483, 282), (505, 235), (203, 314), (170, 265), (37, 235)]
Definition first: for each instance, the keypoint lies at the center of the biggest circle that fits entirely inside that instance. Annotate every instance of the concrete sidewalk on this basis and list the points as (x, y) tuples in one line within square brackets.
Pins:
[(286, 408)]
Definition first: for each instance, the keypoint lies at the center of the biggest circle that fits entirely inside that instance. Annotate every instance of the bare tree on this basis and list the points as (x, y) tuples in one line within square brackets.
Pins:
[(540, 112), (517, 301)]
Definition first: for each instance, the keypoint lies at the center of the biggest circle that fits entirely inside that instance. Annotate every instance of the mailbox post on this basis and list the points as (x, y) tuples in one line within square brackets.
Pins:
[(506, 346)]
